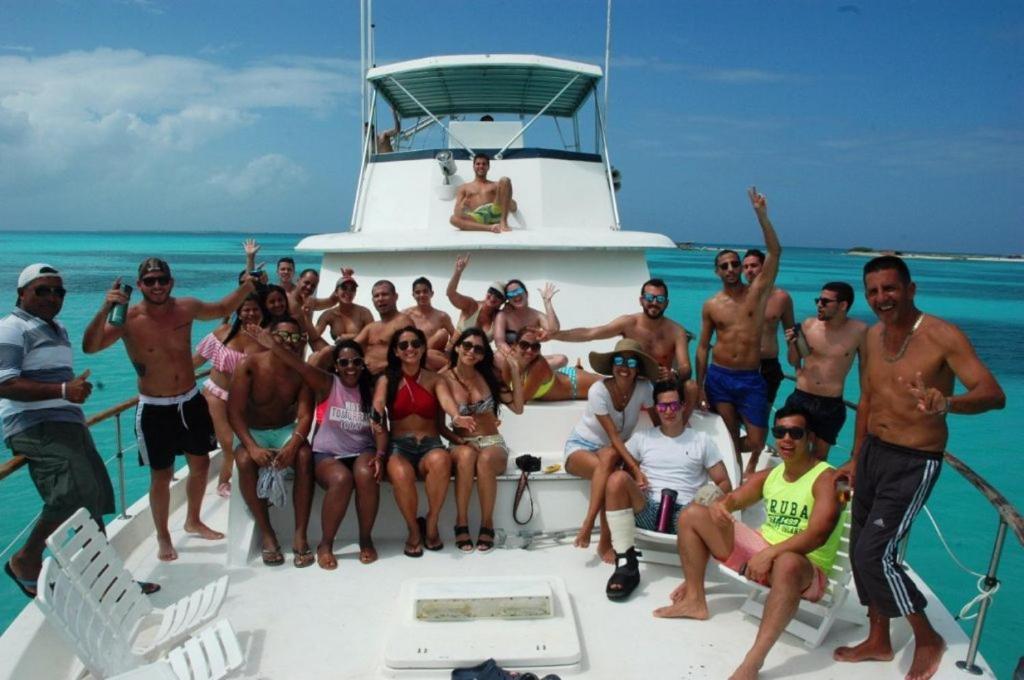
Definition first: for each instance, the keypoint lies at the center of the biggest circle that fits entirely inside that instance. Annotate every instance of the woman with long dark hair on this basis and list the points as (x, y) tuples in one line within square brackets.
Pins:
[(416, 400), (479, 451)]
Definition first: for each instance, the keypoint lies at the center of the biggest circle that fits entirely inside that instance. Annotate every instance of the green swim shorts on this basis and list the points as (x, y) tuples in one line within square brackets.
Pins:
[(66, 469), (488, 213), (273, 439)]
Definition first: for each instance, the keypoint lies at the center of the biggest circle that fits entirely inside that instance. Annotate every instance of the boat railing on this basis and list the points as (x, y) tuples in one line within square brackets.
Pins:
[(1009, 517)]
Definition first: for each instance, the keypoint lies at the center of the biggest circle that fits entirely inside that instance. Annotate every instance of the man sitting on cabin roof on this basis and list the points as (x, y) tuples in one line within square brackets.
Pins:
[(792, 552), (671, 457), (483, 205)]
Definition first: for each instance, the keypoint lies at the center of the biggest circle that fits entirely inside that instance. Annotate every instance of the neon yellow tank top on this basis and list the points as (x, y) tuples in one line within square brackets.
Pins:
[(788, 509)]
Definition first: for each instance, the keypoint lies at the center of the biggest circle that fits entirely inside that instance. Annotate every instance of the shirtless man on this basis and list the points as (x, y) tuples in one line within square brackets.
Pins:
[(434, 323), (661, 337), (345, 319), (374, 337), (835, 340), (911, 363), (270, 408), (732, 385), (172, 415), (778, 309), (483, 205), (285, 272)]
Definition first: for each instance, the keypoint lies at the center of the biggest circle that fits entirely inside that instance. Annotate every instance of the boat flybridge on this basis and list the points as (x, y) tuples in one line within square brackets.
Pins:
[(537, 603)]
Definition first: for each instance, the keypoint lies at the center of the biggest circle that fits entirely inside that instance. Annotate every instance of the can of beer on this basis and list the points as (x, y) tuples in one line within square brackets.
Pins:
[(665, 510), (118, 313)]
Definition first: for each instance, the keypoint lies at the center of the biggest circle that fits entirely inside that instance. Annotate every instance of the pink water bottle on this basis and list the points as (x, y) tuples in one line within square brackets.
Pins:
[(665, 510)]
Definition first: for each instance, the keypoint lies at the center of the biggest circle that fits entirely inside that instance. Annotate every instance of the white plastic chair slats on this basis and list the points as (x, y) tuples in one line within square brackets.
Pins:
[(192, 610), (211, 655), (161, 670)]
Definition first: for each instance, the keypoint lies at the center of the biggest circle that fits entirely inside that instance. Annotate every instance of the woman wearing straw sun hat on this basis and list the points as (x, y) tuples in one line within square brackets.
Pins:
[(596, 445)]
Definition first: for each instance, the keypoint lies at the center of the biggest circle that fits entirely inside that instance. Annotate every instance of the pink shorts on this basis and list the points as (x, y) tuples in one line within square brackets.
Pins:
[(748, 542)]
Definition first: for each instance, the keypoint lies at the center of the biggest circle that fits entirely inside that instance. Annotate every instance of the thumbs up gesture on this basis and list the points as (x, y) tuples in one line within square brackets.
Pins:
[(79, 389)]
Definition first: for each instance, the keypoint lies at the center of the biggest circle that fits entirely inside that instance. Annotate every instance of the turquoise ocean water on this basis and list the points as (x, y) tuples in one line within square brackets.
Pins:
[(985, 299)]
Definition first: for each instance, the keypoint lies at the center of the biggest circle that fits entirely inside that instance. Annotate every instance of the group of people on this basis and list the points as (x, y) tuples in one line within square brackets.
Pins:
[(413, 395)]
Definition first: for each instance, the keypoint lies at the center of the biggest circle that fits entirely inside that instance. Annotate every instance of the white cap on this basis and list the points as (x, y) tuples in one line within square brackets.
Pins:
[(35, 271)]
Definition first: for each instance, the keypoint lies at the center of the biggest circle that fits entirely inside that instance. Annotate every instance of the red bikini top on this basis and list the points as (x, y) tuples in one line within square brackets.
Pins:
[(413, 398)]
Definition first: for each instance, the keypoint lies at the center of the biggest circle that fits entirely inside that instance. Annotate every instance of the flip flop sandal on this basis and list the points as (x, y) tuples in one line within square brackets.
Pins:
[(626, 576), (25, 585), (303, 558), (273, 557), (147, 587), (413, 552), (485, 542), (465, 544), (422, 522)]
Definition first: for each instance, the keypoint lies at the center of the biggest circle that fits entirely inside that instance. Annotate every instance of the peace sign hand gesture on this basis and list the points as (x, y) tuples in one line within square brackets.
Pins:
[(930, 400)]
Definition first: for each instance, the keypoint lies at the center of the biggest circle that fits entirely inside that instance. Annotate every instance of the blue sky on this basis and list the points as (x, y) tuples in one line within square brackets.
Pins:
[(888, 124)]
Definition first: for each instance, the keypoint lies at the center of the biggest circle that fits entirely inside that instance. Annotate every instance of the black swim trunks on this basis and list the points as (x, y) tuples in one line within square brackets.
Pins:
[(771, 371), (826, 415), (167, 426)]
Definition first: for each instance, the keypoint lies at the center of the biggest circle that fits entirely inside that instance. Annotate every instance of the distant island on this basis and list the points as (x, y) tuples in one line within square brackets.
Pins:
[(863, 251)]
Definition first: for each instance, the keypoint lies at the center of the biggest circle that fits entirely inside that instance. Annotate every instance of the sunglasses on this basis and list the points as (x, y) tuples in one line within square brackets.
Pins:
[(527, 346), (651, 297), (669, 406), (794, 433), (46, 291), (731, 264), (406, 344), (630, 362), (824, 302), (517, 292), (470, 346), (355, 363), (150, 281), (292, 337)]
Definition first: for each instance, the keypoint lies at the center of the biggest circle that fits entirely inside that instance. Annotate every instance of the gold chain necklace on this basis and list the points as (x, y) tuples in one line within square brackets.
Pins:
[(906, 342)]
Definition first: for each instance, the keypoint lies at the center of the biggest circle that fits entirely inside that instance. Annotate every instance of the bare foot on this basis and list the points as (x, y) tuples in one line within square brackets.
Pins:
[(202, 531), (583, 537), (166, 551), (605, 552), (684, 609), (869, 650), (325, 558), (367, 553), (679, 593), (746, 671), (927, 655)]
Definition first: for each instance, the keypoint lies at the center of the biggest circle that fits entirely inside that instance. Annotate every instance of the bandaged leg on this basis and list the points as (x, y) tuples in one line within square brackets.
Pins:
[(622, 528)]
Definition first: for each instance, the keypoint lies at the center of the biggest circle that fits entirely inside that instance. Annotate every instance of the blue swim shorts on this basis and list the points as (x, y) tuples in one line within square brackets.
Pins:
[(746, 390)]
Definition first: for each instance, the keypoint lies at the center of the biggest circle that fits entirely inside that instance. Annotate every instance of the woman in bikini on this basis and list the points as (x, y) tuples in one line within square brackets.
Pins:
[(475, 313), (517, 314), (596, 445), (481, 452), (347, 452), (540, 383), (413, 398), (224, 348)]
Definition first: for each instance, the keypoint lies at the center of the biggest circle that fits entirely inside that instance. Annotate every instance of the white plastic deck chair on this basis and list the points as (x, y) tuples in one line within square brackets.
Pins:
[(813, 620), (91, 564), (213, 654)]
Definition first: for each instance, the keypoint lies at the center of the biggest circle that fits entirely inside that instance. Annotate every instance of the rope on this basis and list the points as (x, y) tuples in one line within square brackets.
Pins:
[(24, 530), (983, 593), (942, 539)]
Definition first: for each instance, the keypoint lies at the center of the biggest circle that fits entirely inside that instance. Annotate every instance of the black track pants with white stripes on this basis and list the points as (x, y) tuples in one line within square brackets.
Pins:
[(892, 484)]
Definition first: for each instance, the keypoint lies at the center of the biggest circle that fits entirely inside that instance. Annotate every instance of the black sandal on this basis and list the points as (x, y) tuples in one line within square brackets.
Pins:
[(464, 544), (485, 542), (422, 522), (626, 576)]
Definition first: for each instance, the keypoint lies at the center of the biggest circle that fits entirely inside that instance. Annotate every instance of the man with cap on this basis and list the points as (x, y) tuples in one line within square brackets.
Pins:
[(42, 419), (172, 417), (346, 318)]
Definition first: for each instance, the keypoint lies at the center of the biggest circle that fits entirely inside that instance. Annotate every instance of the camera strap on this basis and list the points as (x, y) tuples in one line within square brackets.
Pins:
[(521, 488)]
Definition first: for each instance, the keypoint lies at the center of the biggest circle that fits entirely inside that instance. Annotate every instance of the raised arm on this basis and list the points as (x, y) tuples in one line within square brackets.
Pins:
[(707, 327), (251, 248), (550, 320), (463, 303), (766, 280), (609, 330), (99, 334), (225, 306)]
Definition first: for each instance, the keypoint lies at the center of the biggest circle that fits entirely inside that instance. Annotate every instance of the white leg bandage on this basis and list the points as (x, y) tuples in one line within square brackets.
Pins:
[(622, 528)]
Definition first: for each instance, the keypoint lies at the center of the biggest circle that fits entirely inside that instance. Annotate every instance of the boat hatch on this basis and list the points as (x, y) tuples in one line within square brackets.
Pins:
[(447, 622)]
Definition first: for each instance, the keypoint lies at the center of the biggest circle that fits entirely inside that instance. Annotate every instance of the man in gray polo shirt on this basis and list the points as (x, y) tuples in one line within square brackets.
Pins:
[(39, 397)]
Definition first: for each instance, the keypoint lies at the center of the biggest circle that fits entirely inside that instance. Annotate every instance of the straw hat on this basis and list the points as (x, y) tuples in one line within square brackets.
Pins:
[(601, 362)]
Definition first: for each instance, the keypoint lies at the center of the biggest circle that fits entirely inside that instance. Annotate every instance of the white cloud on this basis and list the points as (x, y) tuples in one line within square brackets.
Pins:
[(272, 172)]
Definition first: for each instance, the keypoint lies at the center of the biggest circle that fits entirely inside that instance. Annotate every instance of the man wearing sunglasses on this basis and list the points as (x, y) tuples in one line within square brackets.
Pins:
[(270, 408), (172, 416), (658, 335), (375, 336), (835, 341), (671, 456), (731, 383), (42, 419), (911, 364), (779, 309), (792, 552)]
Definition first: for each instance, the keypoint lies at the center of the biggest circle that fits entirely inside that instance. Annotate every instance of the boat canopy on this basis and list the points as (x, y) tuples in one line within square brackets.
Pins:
[(485, 83)]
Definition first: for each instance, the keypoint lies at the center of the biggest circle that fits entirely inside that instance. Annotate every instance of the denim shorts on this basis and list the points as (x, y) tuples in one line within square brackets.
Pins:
[(577, 443)]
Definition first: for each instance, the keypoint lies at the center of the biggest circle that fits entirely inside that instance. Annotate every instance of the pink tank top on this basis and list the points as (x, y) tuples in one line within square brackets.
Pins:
[(223, 358), (345, 430)]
